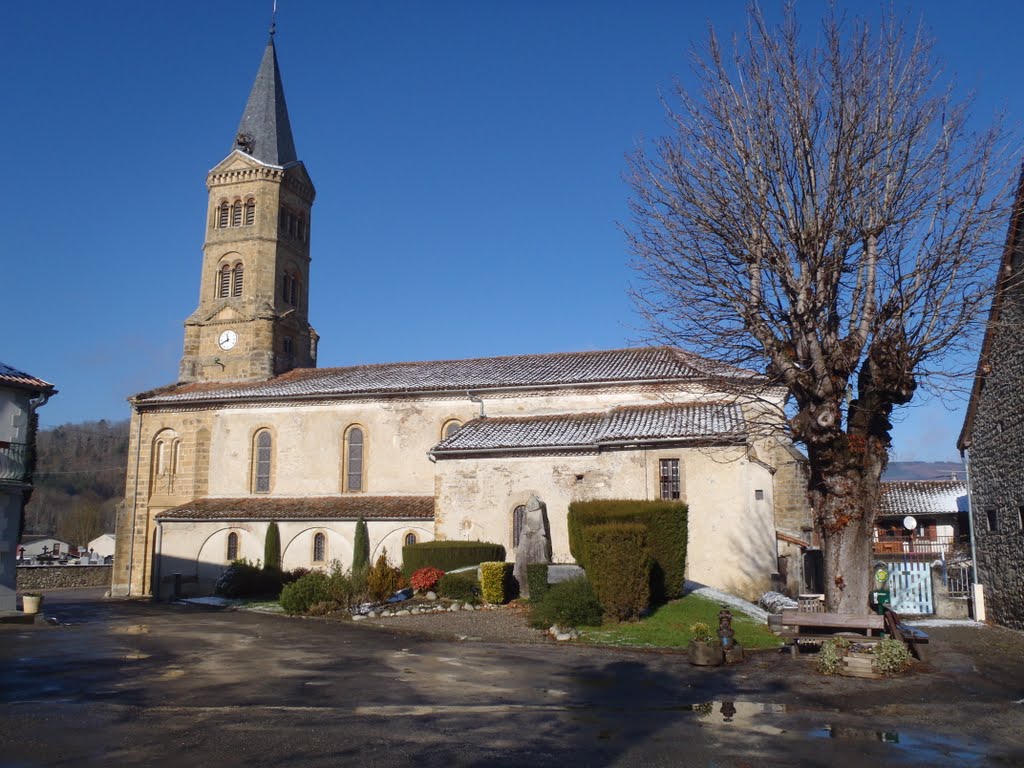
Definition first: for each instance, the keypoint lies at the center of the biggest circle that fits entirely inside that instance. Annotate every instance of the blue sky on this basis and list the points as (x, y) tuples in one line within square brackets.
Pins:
[(467, 157)]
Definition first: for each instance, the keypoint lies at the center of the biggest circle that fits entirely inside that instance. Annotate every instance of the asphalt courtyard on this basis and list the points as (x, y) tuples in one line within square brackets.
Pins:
[(139, 683)]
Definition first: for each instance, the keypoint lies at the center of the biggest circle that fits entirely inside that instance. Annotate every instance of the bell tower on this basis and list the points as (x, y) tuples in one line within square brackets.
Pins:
[(252, 319)]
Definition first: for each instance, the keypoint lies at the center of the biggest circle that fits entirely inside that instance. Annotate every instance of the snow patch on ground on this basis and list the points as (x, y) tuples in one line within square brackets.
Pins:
[(944, 623), (221, 602), (718, 596)]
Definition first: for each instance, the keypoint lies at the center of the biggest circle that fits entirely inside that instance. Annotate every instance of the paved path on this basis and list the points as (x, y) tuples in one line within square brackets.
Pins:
[(133, 683)]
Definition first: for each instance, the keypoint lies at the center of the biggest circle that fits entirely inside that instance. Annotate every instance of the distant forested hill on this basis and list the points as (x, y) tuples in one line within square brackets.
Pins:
[(79, 479), (923, 470)]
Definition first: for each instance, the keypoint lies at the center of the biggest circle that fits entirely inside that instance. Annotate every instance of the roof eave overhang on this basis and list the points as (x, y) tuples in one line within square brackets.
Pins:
[(592, 447)]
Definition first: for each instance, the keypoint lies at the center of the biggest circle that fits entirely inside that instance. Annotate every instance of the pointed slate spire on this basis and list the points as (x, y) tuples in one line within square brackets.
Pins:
[(265, 132)]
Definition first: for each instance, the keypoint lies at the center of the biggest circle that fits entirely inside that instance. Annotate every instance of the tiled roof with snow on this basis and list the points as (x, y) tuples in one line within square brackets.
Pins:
[(617, 366), (14, 377), (669, 423), (923, 497), (309, 508)]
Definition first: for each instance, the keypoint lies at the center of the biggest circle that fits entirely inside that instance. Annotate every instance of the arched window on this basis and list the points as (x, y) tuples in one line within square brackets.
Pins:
[(290, 289), (410, 539), (175, 454), (236, 287), (319, 548), (262, 463), (236, 214), (224, 282), (232, 547), (222, 215), (518, 519), (450, 428), (250, 212), (354, 463)]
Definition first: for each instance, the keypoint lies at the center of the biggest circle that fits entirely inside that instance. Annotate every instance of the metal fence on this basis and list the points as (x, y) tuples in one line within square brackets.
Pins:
[(13, 461), (958, 580)]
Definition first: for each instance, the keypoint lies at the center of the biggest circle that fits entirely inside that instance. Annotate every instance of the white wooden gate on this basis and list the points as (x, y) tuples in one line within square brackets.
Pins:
[(910, 588)]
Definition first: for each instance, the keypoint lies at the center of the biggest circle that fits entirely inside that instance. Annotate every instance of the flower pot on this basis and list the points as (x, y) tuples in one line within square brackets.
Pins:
[(31, 603), (704, 654)]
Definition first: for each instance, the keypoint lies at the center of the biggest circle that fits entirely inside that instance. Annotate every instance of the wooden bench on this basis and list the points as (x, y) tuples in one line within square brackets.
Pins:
[(809, 626)]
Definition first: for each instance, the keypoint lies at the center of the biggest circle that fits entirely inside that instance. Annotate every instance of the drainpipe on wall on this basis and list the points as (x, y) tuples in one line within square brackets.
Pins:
[(977, 590)]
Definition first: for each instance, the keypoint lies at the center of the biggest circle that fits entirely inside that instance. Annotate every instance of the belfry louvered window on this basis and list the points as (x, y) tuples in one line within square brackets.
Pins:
[(262, 463), (225, 281), (223, 215), (250, 212), (236, 214), (236, 286), (354, 445)]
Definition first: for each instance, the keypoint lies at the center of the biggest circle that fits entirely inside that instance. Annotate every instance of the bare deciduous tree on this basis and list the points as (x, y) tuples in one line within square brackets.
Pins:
[(824, 214)]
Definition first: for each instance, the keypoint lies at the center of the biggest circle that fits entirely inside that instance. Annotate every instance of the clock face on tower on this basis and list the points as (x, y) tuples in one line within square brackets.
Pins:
[(227, 340)]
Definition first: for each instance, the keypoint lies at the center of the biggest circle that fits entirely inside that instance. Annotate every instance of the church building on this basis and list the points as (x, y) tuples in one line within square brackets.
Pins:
[(253, 431)]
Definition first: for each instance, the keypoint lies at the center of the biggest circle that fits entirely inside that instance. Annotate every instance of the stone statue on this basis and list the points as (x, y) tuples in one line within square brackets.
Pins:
[(534, 542)]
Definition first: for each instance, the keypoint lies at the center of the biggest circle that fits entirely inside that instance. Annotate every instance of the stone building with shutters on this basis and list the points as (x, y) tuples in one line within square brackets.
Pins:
[(254, 432)]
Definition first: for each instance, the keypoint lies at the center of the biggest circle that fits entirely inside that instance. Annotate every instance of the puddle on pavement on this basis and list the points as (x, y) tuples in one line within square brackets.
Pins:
[(922, 747)]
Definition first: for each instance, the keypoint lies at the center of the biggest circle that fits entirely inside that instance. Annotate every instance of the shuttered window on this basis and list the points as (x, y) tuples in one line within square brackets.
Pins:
[(236, 288), (250, 212), (222, 216), (236, 214)]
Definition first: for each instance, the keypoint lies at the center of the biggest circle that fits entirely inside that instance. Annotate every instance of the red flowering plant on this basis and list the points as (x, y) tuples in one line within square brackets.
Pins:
[(425, 579)]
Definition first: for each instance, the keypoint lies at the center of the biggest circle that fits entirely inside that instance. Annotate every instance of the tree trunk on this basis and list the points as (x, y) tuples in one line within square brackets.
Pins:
[(848, 565)]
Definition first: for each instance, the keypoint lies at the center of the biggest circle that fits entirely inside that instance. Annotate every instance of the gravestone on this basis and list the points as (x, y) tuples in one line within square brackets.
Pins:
[(534, 542)]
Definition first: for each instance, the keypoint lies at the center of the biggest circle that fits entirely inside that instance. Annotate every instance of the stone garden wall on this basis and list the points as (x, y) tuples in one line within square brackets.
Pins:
[(62, 576)]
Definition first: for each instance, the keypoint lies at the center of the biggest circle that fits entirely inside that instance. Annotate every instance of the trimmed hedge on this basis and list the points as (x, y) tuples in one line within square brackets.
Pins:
[(569, 603), (459, 586), (537, 579), (496, 582), (666, 537), (449, 555), (619, 568)]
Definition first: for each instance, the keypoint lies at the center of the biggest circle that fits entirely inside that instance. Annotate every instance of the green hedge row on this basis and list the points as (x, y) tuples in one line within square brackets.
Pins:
[(619, 568), (496, 582), (448, 555), (537, 579), (666, 536)]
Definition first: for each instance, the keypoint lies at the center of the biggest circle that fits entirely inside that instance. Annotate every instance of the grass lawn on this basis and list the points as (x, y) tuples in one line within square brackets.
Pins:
[(669, 627)]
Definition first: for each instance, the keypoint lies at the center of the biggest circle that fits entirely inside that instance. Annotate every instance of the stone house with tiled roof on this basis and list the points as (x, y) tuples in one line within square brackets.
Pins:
[(992, 441), (254, 432), (937, 512), (20, 396)]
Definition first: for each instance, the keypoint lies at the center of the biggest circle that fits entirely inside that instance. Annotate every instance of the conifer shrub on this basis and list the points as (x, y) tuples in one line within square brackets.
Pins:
[(449, 555), (383, 579), (619, 568), (570, 603), (537, 580), (361, 548), (666, 535), (459, 586), (496, 581), (272, 548), (313, 588)]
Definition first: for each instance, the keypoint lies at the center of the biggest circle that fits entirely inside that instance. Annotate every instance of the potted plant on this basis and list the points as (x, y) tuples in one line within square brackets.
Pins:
[(704, 649), (31, 602)]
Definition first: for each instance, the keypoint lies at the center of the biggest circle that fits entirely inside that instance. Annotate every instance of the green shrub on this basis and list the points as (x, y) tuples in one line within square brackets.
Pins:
[(666, 536), (244, 579), (361, 548), (537, 580), (383, 579), (425, 579), (619, 568), (299, 596), (569, 603), (449, 555), (891, 657), (496, 582), (459, 586), (830, 657), (272, 548), (343, 587)]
